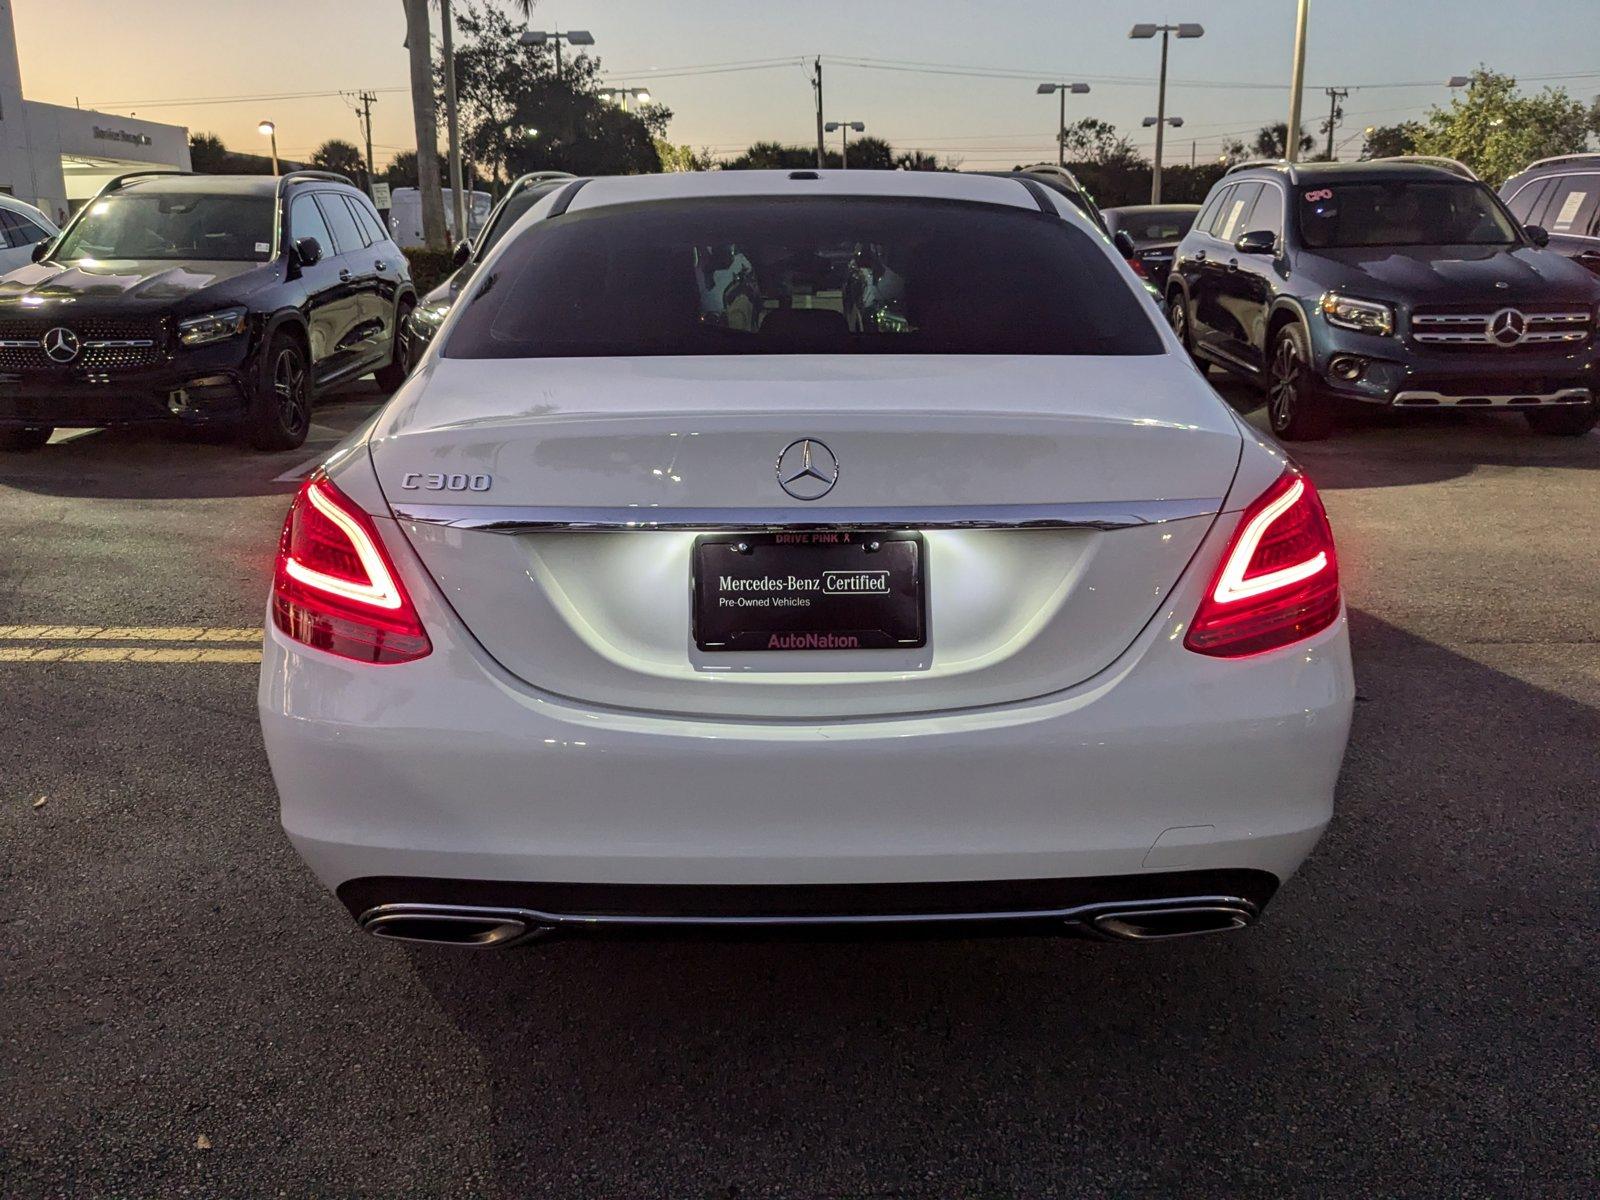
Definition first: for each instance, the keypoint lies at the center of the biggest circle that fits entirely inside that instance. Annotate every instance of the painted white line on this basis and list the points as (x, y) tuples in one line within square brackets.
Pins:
[(71, 435), (296, 474)]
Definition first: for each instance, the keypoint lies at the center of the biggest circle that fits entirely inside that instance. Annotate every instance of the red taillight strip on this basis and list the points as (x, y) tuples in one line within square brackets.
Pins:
[(1231, 583), (381, 591)]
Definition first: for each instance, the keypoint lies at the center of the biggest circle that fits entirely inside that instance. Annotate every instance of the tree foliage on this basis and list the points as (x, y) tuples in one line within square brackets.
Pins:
[(338, 155), (683, 158), (1388, 141), (1271, 141), (518, 114), (1497, 130), (208, 156), (866, 154), (1096, 141)]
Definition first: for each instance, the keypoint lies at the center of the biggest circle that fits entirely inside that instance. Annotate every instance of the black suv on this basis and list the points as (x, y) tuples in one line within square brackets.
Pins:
[(201, 300), (1562, 196), (1400, 282)]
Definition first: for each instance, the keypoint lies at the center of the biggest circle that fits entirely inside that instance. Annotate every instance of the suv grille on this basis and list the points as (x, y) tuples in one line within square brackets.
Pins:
[(1505, 328), (104, 344)]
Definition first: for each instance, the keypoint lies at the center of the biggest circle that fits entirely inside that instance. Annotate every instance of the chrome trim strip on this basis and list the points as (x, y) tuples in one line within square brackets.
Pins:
[(118, 344), (1421, 398), (386, 913), (539, 519)]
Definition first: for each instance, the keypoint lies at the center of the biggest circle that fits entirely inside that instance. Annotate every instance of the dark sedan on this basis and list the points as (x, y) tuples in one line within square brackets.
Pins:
[(1156, 230)]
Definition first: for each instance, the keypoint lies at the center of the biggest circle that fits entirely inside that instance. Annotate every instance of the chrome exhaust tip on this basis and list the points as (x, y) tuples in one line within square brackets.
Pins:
[(451, 925), (1156, 922)]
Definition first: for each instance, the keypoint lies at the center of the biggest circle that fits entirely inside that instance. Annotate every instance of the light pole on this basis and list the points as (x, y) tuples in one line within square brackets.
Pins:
[(1184, 29), (1077, 89), (1297, 83), (1158, 122), (268, 130), (573, 37), (844, 138), (623, 95)]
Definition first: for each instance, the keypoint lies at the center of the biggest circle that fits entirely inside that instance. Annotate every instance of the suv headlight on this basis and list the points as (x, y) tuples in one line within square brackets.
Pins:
[(213, 327), (1364, 316), (432, 315)]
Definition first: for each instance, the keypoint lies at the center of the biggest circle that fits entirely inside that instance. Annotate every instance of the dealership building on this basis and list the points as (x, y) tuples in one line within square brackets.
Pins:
[(57, 157)]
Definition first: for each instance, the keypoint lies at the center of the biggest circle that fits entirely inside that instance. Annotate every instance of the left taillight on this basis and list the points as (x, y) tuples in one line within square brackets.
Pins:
[(1279, 581), (335, 586), (1139, 268)]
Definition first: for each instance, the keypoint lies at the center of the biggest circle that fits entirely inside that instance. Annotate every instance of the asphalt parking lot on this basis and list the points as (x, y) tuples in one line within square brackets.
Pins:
[(185, 1012)]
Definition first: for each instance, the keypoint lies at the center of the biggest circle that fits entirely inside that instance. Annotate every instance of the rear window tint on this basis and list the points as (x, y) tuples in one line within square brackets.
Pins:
[(809, 276)]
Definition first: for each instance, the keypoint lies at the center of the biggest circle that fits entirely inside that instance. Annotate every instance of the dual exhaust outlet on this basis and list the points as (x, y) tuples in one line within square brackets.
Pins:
[(500, 928)]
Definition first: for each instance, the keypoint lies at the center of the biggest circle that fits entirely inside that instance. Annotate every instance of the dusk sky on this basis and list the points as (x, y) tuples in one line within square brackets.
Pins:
[(945, 76)]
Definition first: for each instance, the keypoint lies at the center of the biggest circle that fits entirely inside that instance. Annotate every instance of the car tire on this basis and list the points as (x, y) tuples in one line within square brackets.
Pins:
[(1178, 318), (390, 378), (33, 437), (1296, 408), (279, 416), (1564, 422)]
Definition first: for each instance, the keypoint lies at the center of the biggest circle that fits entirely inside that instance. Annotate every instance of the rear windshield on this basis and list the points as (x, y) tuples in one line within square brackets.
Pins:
[(811, 276), (187, 226), (1148, 229), (1402, 213), (507, 215)]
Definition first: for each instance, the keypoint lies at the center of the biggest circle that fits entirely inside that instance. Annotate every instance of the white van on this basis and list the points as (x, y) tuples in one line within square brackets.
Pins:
[(405, 215)]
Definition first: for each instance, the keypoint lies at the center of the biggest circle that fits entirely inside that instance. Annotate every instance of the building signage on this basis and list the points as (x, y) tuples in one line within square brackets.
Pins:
[(121, 135)]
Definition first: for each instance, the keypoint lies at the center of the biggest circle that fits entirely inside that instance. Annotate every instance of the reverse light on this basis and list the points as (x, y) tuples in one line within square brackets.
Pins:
[(335, 586), (213, 327), (1279, 580), (1364, 316)]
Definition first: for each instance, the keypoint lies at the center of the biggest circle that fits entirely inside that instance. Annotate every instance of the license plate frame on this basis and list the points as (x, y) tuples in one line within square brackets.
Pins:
[(880, 604)]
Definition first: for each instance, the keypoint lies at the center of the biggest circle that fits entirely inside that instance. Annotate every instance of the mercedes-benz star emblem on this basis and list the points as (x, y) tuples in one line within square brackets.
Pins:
[(1506, 327), (807, 469), (60, 345)]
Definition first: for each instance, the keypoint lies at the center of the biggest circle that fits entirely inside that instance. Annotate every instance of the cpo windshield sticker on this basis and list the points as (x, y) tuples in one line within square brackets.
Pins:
[(1319, 194)]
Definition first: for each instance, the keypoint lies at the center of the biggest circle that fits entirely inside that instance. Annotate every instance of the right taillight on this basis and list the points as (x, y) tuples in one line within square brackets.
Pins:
[(1279, 580), (335, 586)]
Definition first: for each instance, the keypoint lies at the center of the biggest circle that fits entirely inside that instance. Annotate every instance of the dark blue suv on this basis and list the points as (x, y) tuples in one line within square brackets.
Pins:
[(1403, 282)]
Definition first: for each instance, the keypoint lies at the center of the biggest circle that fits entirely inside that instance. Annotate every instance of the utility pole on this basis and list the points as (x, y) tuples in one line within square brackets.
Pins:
[(453, 120), (1297, 82), (1161, 124), (816, 83), (367, 99), (1334, 96)]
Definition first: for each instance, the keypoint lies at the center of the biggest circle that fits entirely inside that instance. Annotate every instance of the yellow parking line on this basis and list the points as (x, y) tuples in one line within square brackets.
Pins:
[(126, 633), (139, 654)]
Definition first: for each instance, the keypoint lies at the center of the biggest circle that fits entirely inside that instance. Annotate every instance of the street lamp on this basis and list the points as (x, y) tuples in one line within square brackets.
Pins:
[(268, 130), (1459, 81), (1077, 89), (844, 138), (1184, 29), (622, 96), (1175, 122), (573, 37)]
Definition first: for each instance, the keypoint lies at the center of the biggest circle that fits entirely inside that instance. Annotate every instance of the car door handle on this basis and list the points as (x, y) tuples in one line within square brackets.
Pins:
[(1590, 256), (344, 274), (380, 265), (1200, 256), (1233, 264)]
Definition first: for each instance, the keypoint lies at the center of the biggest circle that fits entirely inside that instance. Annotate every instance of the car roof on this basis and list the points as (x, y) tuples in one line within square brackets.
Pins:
[(1561, 164), (21, 206), (686, 185), (1373, 171), (226, 185)]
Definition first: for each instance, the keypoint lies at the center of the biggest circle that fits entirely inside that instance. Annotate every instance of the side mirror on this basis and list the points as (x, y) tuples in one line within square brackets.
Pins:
[(1257, 241), (309, 251), (461, 253), (1123, 241), (41, 250), (1537, 234)]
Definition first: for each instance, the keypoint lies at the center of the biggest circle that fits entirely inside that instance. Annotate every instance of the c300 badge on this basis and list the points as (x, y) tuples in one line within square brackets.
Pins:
[(437, 482)]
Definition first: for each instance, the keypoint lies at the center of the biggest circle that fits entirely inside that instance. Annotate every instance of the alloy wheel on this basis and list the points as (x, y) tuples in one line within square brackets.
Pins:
[(1283, 388), (289, 385)]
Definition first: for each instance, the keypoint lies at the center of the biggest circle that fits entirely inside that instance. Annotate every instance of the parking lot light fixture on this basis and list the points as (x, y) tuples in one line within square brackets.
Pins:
[(1184, 29), (541, 37), (844, 128), (1077, 89), (1458, 81), (623, 96), (269, 130)]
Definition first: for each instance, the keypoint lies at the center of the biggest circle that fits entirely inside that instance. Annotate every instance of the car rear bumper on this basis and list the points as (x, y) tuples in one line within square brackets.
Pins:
[(448, 769)]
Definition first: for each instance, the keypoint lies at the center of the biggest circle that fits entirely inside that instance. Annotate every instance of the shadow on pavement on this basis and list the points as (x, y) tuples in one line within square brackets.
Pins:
[(1387, 448), (1413, 1009), (144, 463)]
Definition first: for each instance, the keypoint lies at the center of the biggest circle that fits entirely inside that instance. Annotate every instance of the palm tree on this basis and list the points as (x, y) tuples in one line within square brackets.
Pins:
[(419, 41)]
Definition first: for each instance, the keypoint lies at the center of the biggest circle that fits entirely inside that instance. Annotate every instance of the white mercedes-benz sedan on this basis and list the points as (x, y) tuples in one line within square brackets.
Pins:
[(796, 548)]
